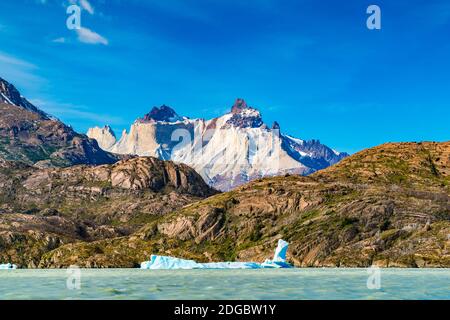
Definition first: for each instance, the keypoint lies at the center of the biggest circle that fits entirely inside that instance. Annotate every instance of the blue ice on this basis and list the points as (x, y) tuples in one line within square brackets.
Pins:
[(169, 263)]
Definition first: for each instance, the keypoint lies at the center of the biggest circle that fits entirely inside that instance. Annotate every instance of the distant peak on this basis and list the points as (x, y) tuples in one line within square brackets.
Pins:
[(163, 113), (275, 126), (104, 136), (10, 95), (109, 130), (244, 116)]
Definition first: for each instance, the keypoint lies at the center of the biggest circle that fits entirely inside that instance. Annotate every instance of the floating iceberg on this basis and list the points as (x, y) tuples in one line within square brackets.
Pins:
[(169, 263), (279, 258), (7, 266)]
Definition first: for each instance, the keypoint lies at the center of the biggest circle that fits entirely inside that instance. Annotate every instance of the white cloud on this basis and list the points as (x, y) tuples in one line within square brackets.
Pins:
[(86, 35), (5, 58), (87, 6), (68, 111), (59, 40), (20, 72)]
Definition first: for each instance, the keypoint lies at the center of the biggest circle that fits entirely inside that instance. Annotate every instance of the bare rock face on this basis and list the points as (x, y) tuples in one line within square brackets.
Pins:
[(104, 136), (244, 116), (136, 174), (163, 113), (239, 106), (42, 209), (182, 228), (24, 238), (207, 226), (148, 173)]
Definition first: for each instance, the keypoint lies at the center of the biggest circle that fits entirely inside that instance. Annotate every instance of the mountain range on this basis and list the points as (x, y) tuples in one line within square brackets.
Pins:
[(65, 201), (58, 186), (227, 151)]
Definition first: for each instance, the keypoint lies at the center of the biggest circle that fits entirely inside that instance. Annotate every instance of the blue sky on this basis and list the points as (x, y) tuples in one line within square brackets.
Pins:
[(311, 65)]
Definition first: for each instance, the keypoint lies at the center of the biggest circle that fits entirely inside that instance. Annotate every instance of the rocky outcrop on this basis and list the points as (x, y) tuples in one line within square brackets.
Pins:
[(42, 209), (133, 174), (105, 136), (244, 116), (25, 187), (163, 113), (24, 238)]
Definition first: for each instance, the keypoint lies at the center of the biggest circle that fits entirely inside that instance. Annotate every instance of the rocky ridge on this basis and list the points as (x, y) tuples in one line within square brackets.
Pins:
[(42, 209), (388, 206)]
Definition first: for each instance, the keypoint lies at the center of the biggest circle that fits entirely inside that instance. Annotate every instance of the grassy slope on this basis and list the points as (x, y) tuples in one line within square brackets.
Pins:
[(388, 205)]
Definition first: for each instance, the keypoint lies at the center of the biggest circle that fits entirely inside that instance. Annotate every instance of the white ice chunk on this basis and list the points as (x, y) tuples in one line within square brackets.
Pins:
[(170, 263), (163, 262), (279, 258), (231, 265), (7, 266), (280, 252)]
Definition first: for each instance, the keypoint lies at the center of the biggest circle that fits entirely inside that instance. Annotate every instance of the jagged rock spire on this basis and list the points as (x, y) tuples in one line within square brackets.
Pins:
[(163, 113), (239, 105)]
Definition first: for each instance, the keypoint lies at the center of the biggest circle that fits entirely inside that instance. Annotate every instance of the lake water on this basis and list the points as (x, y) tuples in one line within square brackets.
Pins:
[(224, 284)]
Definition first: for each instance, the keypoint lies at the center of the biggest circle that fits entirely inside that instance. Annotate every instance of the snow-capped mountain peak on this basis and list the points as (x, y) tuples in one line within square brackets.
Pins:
[(162, 114), (239, 106), (227, 151), (244, 116)]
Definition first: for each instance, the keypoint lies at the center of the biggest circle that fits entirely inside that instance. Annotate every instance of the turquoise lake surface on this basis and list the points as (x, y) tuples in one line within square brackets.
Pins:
[(295, 284)]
